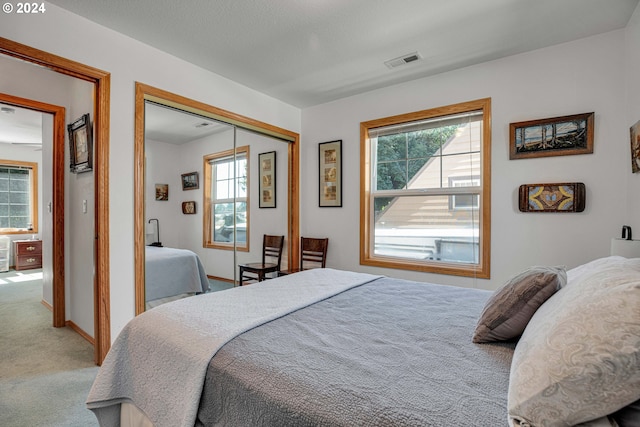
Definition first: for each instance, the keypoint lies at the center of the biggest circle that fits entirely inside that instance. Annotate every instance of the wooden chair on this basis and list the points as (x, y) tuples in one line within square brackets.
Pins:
[(257, 271), (313, 254)]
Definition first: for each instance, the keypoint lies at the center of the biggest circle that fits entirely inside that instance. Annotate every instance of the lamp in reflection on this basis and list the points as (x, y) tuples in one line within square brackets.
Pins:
[(157, 242)]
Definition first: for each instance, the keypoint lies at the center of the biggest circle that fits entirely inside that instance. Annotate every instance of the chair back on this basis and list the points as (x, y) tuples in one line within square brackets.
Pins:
[(313, 252), (272, 248)]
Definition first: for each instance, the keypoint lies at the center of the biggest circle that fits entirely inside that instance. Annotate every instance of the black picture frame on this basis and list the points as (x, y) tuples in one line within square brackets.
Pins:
[(80, 145), (330, 174), (267, 180)]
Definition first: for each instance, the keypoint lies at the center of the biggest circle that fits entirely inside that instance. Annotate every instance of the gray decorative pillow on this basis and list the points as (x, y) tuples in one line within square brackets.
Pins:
[(579, 357), (629, 416), (509, 309)]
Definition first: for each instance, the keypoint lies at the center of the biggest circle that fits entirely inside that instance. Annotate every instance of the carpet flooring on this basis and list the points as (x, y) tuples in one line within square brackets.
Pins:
[(45, 372)]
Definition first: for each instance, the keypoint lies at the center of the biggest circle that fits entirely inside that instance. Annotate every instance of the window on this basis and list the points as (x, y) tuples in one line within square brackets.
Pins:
[(464, 201), (18, 197), (226, 195), (425, 200)]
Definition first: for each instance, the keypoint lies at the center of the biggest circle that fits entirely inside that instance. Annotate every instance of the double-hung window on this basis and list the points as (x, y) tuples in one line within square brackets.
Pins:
[(425, 200), (18, 197), (226, 195)]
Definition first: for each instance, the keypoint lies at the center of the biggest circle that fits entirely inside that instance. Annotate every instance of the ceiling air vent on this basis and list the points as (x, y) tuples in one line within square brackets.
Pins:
[(403, 60)]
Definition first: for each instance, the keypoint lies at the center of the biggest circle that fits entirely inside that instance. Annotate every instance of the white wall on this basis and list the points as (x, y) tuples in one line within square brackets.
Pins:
[(579, 77), (46, 218), (163, 166), (79, 222), (632, 56), (70, 36)]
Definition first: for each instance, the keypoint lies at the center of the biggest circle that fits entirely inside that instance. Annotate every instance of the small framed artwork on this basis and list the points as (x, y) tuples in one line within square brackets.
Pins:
[(190, 181), (189, 208), (558, 136), (267, 184), (557, 197), (81, 145), (162, 192), (330, 191), (635, 147)]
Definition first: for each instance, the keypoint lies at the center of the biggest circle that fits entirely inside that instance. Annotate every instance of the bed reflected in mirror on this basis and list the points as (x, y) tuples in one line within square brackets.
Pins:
[(202, 182)]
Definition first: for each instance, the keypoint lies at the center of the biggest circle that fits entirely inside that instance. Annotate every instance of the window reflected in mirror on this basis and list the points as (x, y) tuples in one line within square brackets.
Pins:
[(226, 197)]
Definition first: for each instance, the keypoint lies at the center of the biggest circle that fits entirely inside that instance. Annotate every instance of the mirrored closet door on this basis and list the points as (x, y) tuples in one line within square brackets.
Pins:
[(205, 197)]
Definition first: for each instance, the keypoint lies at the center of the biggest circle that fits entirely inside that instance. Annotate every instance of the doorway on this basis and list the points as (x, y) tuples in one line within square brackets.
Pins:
[(57, 208), (101, 81)]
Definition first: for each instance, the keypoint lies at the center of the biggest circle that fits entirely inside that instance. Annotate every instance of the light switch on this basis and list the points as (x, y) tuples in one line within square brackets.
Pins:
[(84, 206)]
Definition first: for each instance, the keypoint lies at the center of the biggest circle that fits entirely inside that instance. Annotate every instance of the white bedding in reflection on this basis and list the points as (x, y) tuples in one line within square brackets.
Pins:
[(170, 272)]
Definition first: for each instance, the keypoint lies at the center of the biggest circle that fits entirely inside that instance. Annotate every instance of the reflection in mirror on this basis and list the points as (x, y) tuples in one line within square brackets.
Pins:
[(205, 196), (271, 218)]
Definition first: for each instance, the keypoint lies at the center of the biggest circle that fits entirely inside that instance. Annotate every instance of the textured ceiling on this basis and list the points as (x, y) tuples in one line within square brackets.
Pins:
[(308, 52)]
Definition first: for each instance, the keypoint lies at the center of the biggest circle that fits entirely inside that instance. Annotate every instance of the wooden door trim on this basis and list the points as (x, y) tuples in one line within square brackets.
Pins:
[(102, 86)]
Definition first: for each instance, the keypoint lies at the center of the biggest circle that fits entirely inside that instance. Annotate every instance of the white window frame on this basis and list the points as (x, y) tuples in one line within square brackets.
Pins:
[(481, 269), (464, 182)]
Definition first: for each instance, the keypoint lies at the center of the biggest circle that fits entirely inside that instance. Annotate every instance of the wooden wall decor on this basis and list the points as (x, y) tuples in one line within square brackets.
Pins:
[(556, 197), (558, 136)]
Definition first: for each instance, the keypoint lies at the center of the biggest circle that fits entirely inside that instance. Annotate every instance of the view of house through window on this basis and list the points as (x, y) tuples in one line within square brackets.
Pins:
[(426, 190), (18, 195), (226, 193)]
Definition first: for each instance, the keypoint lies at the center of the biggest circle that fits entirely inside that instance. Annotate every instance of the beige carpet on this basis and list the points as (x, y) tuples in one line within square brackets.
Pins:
[(45, 372)]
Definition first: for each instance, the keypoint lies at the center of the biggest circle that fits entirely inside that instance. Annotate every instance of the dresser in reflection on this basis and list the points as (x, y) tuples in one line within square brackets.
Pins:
[(27, 254)]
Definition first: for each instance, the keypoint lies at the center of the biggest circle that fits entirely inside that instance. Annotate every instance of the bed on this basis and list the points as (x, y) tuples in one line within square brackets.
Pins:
[(332, 348), (170, 272)]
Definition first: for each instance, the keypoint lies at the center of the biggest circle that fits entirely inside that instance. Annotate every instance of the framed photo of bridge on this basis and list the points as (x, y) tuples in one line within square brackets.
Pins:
[(558, 136)]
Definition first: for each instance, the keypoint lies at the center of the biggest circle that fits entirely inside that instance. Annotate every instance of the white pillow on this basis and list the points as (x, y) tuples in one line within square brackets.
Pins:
[(592, 266), (579, 356)]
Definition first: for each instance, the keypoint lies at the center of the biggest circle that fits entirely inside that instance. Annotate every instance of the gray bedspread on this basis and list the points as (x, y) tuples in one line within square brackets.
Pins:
[(170, 272), (159, 360), (388, 353)]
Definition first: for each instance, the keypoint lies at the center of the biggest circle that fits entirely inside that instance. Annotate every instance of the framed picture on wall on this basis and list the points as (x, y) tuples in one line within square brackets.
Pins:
[(558, 136), (189, 208), (190, 181), (635, 147), (162, 192), (330, 173), (554, 197), (267, 176), (81, 145)]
